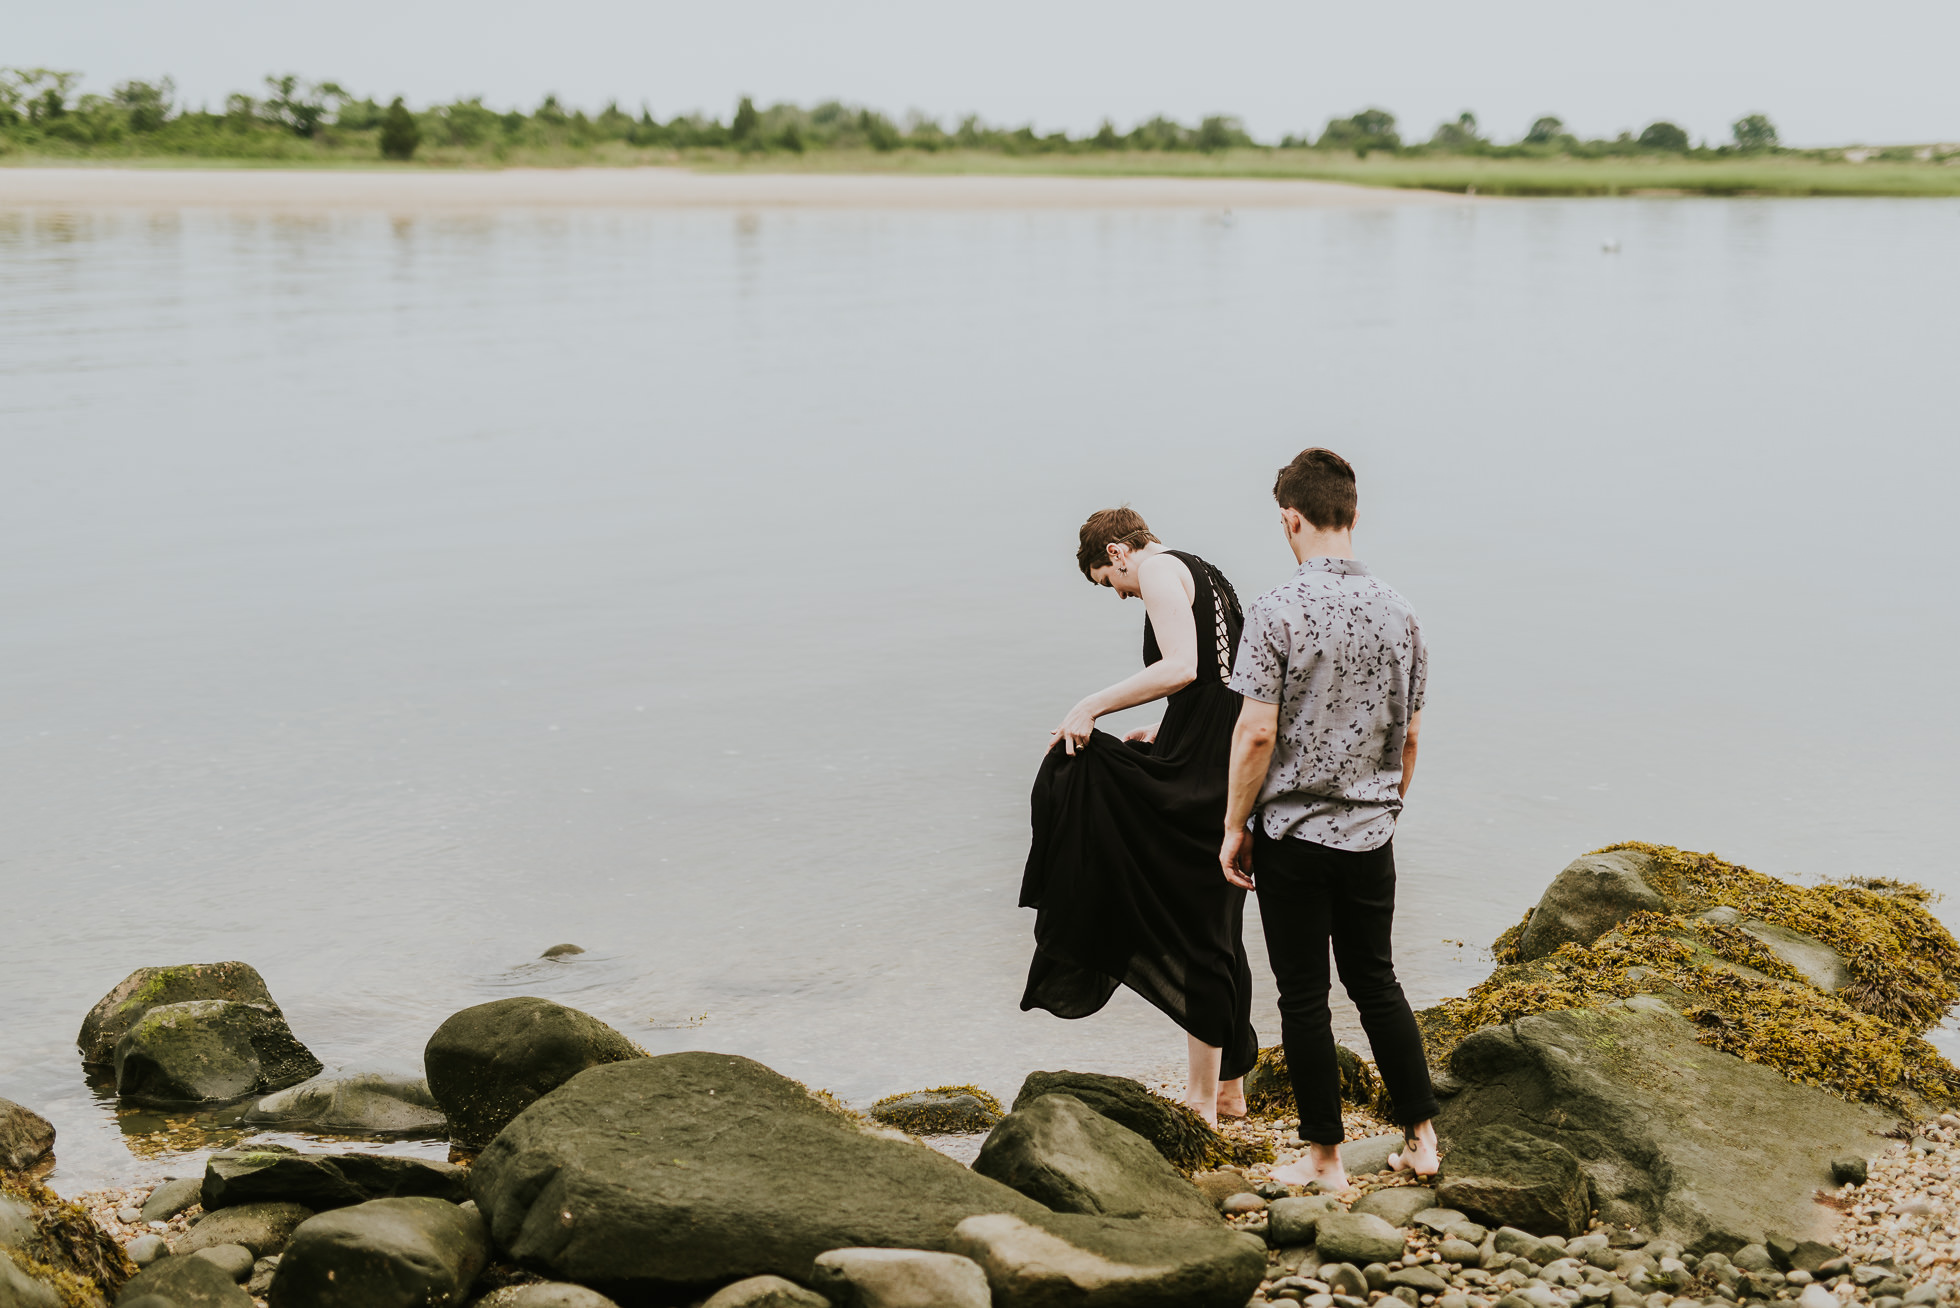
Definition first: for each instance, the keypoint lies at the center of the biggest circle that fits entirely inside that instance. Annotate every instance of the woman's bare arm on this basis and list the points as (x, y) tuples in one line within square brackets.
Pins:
[(1165, 583)]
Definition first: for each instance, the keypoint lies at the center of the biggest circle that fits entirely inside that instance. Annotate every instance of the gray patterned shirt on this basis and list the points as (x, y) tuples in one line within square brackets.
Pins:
[(1342, 656)]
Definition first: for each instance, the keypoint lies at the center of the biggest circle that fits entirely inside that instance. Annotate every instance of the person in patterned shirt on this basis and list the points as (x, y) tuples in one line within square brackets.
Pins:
[(1331, 666)]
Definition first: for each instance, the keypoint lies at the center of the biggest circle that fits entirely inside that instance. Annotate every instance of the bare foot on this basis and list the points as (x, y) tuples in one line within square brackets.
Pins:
[(1231, 1099), (1207, 1111), (1418, 1153), (1321, 1167)]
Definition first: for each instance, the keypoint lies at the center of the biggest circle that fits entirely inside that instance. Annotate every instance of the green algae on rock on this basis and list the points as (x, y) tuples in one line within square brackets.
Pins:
[(1181, 1136), (60, 1246), (152, 987), (1269, 1086), (1742, 993), (942, 1110)]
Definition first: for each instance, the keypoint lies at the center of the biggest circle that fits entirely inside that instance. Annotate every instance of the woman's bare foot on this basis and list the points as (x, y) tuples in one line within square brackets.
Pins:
[(1231, 1098), (1321, 1167), (1207, 1111), (1418, 1153)]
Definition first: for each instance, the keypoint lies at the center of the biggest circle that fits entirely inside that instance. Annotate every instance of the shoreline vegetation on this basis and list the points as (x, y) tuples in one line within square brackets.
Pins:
[(44, 120)]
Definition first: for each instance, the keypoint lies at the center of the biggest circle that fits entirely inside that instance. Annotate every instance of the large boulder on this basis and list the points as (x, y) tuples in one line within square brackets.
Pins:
[(360, 1103), (26, 1142), (1696, 1145), (323, 1181), (489, 1063), (1358, 1238), (1068, 1157), (686, 1171), (208, 1051), (390, 1253), (1503, 1176), (1592, 896), (1069, 1260), (1179, 1134), (186, 1283), (264, 1228), (151, 987)]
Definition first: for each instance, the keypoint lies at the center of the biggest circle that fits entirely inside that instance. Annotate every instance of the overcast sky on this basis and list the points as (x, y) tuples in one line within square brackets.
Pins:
[(1827, 73)]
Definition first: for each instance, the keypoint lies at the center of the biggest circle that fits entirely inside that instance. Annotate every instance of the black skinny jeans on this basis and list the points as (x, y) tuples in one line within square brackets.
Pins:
[(1308, 895)]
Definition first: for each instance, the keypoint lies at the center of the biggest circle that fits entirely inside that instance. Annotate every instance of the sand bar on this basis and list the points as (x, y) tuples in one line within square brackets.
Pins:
[(405, 191)]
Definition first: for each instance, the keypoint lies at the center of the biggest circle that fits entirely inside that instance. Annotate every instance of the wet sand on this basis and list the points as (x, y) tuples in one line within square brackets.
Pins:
[(656, 188)]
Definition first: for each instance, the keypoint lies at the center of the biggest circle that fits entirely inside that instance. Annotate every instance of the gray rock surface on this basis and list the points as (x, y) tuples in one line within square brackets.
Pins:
[(1397, 1205), (1590, 897), (1358, 1238), (765, 1292), (1222, 1185), (1813, 960), (234, 1260), (357, 1103), (900, 1278), (691, 1170), (149, 987), (1070, 1158), (323, 1181), (1179, 1134), (1067, 1260), (1369, 1155), (17, 1226), (387, 1253), (26, 1141), (265, 1229), (1508, 1177), (1294, 1220), (20, 1290), (146, 1249), (179, 1194), (489, 1063), (185, 1283), (208, 1051), (550, 1294), (1628, 1090), (1345, 1278)]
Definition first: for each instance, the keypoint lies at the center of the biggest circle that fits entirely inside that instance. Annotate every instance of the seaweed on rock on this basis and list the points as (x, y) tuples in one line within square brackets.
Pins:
[(1862, 1044), (69, 1251)]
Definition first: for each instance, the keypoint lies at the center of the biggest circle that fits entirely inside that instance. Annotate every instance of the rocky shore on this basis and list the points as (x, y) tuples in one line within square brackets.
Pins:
[(1615, 1135)]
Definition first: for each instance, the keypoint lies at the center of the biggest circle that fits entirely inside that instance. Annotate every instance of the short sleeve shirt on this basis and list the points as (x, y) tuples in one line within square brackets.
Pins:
[(1342, 656)]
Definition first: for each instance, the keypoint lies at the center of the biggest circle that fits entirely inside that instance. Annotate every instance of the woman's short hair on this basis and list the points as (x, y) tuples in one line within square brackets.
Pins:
[(1319, 486), (1106, 527)]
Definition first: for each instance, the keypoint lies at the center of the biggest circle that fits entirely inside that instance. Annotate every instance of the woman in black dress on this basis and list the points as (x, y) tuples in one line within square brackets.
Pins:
[(1123, 872)]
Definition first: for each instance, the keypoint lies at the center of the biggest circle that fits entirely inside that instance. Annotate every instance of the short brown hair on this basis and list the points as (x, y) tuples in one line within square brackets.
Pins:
[(1319, 486), (1106, 527)]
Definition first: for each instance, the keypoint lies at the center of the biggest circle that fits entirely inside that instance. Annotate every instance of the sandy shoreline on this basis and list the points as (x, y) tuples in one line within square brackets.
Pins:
[(656, 188)]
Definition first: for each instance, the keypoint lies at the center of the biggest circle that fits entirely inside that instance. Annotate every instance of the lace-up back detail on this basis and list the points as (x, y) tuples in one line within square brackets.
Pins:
[(1214, 610)]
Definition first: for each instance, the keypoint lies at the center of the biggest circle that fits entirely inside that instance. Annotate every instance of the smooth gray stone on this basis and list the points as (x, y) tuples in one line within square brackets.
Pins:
[(1068, 1260), (146, 1249), (1179, 1134), (1066, 1156), (765, 1292), (1419, 1279), (177, 1195), (356, 1103), (1397, 1205), (262, 1273), (1509, 1177), (557, 1294), (19, 1290), (1639, 1098), (26, 1140), (1440, 1220), (1458, 1251), (1590, 897), (386, 1253), (488, 1063), (265, 1229), (1345, 1278), (1359, 1238), (1294, 1220), (1367, 1156), (186, 1283), (234, 1260), (901, 1278)]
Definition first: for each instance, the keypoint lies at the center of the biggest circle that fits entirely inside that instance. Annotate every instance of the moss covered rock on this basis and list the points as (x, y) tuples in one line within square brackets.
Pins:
[(1269, 1085), (1180, 1135), (22, 1287), (676, 1174), (946, 1110), (489, 1063), (187, 1283), (390, 1253), (151, 987), (323, 1181), (1504, 1176), (54, 1243), (209, 1051)]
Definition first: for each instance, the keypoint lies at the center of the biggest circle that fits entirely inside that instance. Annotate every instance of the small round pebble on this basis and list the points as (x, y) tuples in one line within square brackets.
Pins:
[(144, 1249), (234, 1260)]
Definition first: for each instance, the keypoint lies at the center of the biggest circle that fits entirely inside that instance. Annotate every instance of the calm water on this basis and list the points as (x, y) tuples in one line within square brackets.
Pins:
[(387, 599)]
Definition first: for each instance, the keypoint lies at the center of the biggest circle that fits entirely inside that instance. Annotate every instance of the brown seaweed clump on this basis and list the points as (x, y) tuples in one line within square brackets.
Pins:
[(78, 1259), (942, 1110), (1863, 1043), (1269, 1086)]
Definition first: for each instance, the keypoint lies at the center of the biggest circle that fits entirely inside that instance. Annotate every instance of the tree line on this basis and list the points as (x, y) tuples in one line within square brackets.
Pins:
[(41, 110)]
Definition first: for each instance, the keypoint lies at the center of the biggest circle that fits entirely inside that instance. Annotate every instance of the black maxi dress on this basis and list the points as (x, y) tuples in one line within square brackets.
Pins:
[(1123, 871)]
